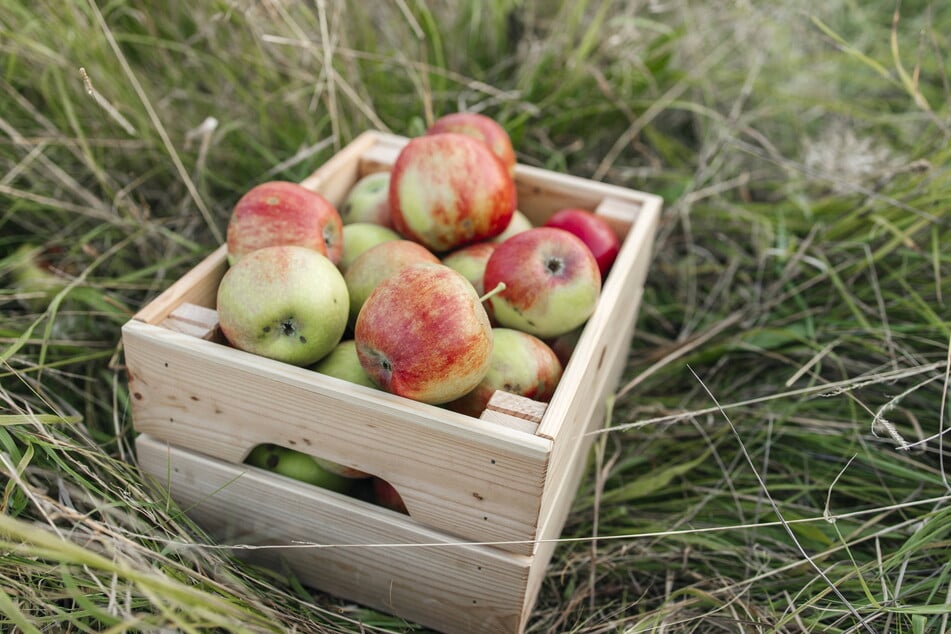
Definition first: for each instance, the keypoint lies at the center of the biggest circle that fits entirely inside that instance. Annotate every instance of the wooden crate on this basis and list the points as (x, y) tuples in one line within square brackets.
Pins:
[(487, 497)]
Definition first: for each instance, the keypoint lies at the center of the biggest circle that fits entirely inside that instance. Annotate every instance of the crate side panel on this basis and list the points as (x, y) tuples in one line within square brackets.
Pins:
[(594, 370), (471, 478), (361, 554)]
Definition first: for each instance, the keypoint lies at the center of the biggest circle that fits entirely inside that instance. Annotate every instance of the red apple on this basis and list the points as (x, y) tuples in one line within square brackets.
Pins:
[(481, 127), (386, 495), (424, 334), (378, 263), (593, 230), (521, 364), (284, 213), (552, 283), (448, 190)]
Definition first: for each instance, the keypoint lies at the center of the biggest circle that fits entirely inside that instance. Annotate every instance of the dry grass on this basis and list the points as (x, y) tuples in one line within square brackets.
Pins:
[(777, 460)]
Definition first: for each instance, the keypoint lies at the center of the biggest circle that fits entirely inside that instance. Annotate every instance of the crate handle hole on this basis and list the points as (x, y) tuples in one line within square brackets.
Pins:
[(309, 469)]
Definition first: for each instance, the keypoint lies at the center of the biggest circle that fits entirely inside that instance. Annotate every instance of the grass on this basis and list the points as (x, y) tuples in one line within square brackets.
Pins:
[(777, 459)]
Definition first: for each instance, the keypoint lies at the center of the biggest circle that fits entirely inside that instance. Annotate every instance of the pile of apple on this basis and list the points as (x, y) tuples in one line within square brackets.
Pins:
[(427, 282)]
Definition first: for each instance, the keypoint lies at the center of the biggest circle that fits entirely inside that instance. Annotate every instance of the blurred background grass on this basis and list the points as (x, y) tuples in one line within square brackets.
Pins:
[(777, 457)]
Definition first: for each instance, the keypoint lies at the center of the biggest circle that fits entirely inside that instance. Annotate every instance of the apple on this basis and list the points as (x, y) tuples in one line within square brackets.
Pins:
[(424, 334), (521, 364), (284, 213), (378, 263), (517, 224), (32, 275), (386, 495), (297, 465), (360, 236), (564, 345), (470, 261), (551, 278), (288, 303), (593, 230), (368, 200), (343, 363), (448, 190), (481, 127)]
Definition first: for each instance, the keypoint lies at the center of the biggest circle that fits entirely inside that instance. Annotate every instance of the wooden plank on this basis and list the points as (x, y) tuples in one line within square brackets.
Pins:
[(596, 365), (467, 477), (199, 287), (347, 547), (514, 411), (194, 320)]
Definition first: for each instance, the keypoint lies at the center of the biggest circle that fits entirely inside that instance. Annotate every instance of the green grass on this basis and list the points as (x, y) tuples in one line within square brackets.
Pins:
[(777, 458)]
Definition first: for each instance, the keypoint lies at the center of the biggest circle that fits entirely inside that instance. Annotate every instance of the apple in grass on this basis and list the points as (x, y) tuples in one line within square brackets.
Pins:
[(448, 190), (552, 282), (288, 303), (521, 364), (368, 200), (284, 213), (593, 230), (424, 334), (360, 236), (297, 465), (378, 263), (481, 127)]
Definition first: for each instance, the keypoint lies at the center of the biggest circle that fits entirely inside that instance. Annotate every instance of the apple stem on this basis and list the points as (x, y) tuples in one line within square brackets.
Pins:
[(495, 291)]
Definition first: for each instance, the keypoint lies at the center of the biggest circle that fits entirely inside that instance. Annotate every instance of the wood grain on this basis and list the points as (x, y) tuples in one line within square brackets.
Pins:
[(352, 549)]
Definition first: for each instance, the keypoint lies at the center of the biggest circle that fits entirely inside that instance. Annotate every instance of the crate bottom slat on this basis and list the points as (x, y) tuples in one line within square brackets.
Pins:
[(346, 547)]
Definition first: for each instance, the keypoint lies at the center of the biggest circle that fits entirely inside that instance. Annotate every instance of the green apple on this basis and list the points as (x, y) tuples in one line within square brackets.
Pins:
[(521, 364), (470, 261), (287, 303), (368, 200), (360, 236), (378, 263), (518, 224), (343, 363), (297, 465), (552, 282)]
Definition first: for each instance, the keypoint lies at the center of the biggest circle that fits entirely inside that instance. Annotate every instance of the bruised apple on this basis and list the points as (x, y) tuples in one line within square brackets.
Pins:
[(521, 364), (284, 213), (287, 303), (481, 127), (552, 282), (448, 190), (424, 334)]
